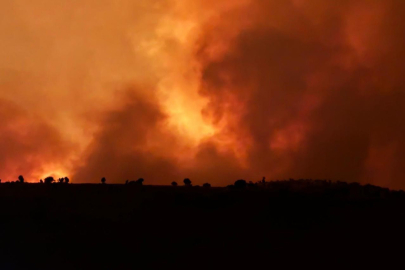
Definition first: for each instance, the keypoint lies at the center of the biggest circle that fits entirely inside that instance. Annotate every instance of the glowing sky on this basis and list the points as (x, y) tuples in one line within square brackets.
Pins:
[(210, 90)]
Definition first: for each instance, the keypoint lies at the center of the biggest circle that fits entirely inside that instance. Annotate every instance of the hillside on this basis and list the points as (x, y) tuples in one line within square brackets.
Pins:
[(125, 227)]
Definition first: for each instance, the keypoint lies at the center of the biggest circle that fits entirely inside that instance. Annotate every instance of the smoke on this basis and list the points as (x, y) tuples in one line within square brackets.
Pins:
[(27, 142), (310, 95), (213, 91)]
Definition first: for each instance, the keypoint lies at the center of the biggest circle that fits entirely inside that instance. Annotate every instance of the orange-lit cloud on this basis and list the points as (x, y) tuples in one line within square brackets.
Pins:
[(211, 90)]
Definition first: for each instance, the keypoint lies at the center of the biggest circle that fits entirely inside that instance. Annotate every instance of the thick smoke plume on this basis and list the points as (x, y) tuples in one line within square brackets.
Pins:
[(210, 90)]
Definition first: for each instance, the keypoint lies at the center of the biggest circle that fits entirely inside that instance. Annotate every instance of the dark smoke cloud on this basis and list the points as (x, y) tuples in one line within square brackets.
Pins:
[(134, 141), (121, 148), (293, 78)]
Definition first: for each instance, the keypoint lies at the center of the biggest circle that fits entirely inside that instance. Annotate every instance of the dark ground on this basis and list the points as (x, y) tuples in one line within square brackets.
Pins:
[(143, 227)]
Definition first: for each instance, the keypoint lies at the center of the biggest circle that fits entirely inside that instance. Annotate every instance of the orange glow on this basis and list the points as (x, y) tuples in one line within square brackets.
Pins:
[(207, 89)]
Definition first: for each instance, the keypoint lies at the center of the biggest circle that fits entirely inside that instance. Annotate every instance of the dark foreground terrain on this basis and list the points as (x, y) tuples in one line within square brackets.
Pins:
[(144, 227)]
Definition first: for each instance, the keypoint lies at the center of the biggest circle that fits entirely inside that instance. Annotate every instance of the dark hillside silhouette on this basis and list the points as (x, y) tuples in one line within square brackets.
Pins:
[(249, 225)]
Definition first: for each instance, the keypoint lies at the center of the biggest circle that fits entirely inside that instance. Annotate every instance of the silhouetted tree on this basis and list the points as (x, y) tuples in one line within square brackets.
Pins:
[(67, 180), (21, 179), (103, 180), (61, 180), (207, 185), (240, 183), (41, 181), (126, 182), (187, 182), (264, 180), (174, 184), (49, 180), (140, 181)]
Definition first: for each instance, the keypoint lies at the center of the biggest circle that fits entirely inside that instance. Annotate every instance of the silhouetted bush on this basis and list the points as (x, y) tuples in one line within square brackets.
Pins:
[(61, 180), (240, 183), (21, 179), (49, 180), (41, 181), (140, 181), (187, 182), (174, 184), (103, 180), (251, 184), (67, 180), (207, 185)]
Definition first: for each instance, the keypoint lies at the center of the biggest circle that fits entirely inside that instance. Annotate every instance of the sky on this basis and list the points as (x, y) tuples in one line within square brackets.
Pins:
[(210, 90)]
